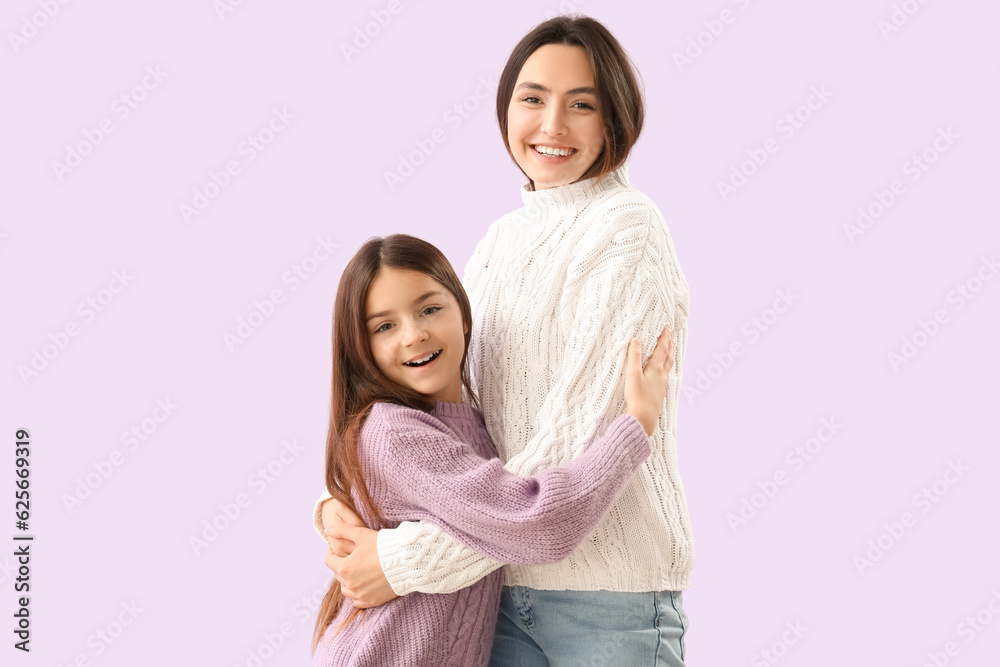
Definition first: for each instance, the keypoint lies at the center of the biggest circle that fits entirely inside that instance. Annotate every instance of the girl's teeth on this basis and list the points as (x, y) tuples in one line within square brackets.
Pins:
[(417, 362)]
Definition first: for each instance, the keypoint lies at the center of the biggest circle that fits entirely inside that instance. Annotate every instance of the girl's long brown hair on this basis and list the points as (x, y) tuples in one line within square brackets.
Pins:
[(358, 383)]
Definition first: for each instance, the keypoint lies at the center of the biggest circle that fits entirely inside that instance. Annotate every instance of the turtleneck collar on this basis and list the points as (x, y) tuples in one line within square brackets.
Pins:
[(565, 196), (461, 410)]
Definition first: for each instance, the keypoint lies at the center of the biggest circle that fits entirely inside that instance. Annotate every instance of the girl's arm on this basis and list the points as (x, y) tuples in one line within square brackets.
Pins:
[(429, 474), (406, 550)]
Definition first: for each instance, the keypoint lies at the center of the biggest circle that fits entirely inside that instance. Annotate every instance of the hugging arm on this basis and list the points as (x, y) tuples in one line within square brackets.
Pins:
[(416, 556), (531, 520), (634, 268)]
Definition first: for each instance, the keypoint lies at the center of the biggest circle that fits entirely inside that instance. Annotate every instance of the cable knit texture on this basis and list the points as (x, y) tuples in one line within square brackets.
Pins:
[(558, 287), (442, 467)]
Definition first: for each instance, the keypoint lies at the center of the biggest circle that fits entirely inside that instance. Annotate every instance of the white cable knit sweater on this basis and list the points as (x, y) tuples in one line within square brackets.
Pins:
[(558, 287)]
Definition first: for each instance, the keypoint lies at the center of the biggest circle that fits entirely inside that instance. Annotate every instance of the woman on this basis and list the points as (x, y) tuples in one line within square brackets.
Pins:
[(557, 288)]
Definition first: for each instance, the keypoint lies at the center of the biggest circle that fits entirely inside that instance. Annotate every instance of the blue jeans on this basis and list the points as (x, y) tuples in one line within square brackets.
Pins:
[(538, 628)]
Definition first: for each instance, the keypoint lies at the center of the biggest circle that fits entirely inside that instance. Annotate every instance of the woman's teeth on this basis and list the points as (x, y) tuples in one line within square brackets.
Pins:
[(421, 362), (554, 152)]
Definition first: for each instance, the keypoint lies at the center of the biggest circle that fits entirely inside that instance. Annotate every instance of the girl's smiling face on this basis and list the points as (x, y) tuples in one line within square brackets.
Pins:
[(554, 125), (416, 333)]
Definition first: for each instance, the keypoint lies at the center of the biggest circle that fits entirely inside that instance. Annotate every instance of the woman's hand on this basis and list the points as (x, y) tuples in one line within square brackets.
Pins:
[(335, 513), (353, 556), (359, 573), (646, 386)]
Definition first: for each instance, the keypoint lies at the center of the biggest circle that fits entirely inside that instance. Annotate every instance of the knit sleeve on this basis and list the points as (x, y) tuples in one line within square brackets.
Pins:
[(426, 473), (318, 514), (623, 283), (418, 556)]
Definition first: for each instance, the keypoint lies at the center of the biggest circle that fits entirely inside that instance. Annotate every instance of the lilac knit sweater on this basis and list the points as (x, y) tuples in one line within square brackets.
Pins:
[(442, 467)]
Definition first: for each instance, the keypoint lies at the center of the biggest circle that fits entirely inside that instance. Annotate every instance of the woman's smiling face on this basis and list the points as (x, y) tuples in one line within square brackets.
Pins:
[(554, 124)]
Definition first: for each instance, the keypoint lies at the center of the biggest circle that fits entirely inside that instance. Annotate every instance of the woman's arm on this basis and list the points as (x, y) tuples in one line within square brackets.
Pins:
[(363, 576), (405, 549), (321, 519)]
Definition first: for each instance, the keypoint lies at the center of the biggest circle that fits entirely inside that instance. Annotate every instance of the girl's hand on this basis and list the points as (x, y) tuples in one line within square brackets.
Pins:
[(360, 574), (646, 386)]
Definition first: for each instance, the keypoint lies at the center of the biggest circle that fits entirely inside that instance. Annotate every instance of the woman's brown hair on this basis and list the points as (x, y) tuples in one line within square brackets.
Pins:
[(358, 383), (618, 91)]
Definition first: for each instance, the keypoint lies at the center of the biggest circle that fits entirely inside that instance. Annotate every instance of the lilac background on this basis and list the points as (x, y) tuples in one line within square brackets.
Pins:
[(827, 356)]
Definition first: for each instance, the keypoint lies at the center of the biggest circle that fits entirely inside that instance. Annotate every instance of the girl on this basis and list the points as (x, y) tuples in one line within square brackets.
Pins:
[(557, 288), (403, 445)]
